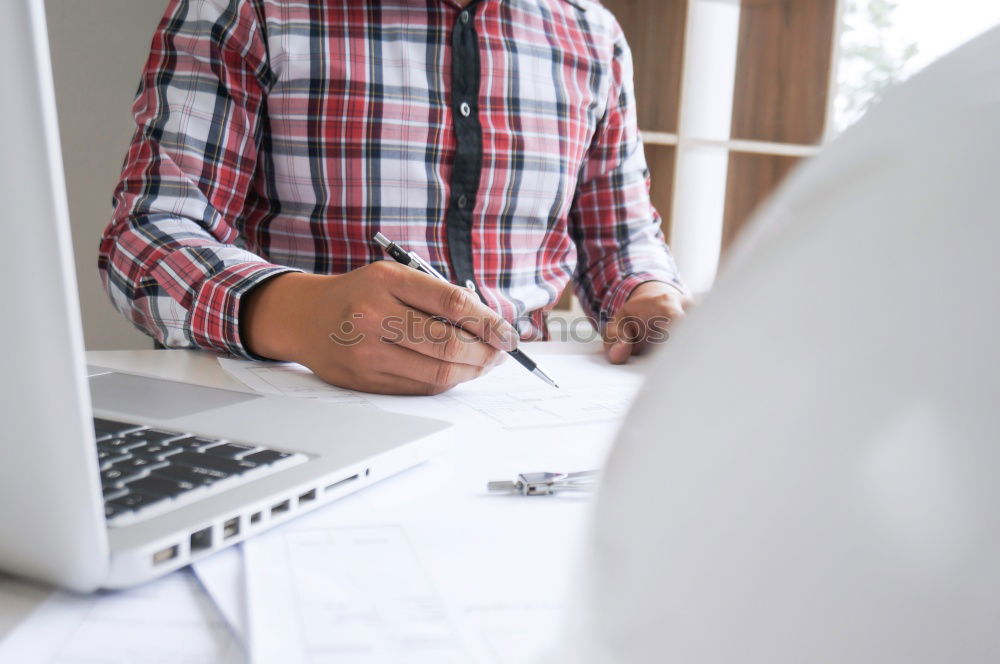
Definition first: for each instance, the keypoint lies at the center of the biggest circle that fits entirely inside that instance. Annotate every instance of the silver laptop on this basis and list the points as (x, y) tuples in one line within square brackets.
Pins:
[(113, 479)]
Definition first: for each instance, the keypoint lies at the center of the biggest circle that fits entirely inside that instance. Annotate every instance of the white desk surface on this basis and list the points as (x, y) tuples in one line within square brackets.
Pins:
[(458, 475), (202, 368)]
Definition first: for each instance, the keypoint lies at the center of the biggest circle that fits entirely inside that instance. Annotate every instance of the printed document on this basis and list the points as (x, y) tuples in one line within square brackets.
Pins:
[(167, 621), (510, 397)]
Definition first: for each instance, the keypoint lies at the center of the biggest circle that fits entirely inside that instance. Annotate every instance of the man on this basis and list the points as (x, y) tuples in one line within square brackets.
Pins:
[(496, 138)]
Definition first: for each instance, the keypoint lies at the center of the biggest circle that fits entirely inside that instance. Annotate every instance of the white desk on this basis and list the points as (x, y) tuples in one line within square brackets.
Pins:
[(480, 551)]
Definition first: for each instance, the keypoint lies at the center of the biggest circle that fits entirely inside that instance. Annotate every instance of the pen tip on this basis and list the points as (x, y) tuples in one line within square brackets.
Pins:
[(544, 376)]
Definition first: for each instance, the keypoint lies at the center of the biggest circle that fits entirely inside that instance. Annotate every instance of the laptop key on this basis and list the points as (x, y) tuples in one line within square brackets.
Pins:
[(114, 492), (159, 450), (119, 444), (228, 466), (160, 486), (107, 457), (114, 475), (193, 443), (266, 457), (199, 476), (138, 464), (152, 436), (111, 486), (110, 428), (229, 450), (134, 501)]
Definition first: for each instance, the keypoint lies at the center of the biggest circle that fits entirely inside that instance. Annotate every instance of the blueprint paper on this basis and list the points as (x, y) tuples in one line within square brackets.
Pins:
[(472, 577), (407, 571), (290, 380), (166, 621), (590, 391), (223, 578), (345, 594)]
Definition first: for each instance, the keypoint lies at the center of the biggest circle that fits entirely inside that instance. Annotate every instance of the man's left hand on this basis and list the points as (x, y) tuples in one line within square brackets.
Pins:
[(644, 320)]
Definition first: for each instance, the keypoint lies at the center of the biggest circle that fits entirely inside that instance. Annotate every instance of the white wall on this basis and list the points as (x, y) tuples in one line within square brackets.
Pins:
[(98, 50)]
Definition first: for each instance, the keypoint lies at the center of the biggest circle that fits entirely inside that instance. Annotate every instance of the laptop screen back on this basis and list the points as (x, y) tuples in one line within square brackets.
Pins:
[(51, 516)]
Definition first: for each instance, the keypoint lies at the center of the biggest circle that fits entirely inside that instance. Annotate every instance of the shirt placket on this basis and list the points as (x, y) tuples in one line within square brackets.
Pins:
[(468, 162)]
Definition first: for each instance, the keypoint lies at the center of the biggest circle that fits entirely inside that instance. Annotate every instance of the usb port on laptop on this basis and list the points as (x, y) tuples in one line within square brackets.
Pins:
[(231, 528), (166, 555), (201, 540)]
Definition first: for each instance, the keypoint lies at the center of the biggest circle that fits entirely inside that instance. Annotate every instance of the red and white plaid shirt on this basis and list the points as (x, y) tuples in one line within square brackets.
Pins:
[(498, 142)]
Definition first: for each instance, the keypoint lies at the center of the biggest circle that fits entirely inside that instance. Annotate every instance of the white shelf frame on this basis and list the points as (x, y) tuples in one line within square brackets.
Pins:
[(701, 230)]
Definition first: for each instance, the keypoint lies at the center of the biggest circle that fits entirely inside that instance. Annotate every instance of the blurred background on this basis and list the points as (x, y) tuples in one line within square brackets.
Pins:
[(732, 95)]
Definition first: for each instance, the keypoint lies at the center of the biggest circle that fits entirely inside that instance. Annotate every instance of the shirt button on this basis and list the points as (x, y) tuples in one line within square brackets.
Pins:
[(465, 109), (465, 17), (463, 202)]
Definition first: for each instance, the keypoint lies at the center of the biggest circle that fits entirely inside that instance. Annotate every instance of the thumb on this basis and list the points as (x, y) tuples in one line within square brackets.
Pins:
[(617, 349)]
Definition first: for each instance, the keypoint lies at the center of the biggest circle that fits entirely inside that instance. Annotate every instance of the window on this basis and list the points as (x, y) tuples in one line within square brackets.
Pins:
[(887, 41)]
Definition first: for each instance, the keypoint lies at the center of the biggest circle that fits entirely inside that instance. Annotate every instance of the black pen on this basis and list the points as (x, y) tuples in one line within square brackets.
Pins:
[(411, 259)]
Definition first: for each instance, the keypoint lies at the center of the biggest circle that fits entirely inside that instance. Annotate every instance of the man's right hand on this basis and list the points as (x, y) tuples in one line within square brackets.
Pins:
[(375, 329)]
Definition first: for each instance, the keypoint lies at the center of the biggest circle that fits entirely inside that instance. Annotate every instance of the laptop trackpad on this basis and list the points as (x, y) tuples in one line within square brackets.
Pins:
[(158, 399)]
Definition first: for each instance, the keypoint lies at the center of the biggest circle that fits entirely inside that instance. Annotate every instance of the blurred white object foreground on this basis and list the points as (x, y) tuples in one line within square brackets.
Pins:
[(811, 473)]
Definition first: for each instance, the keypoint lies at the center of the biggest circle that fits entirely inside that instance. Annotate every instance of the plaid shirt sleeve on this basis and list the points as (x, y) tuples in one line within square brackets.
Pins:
[(613, 222), (169, 258)]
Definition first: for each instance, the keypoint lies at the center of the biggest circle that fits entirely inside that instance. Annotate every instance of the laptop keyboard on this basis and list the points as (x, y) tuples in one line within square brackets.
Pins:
[(143, 469)]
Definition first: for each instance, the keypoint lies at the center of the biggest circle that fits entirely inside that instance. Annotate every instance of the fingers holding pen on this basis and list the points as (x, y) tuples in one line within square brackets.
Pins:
[(455, 304), (437, 339), (383, 328)]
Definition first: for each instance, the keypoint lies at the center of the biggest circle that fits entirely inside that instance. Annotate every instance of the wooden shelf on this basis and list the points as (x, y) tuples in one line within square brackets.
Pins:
[(780, 95), (782, 70)]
